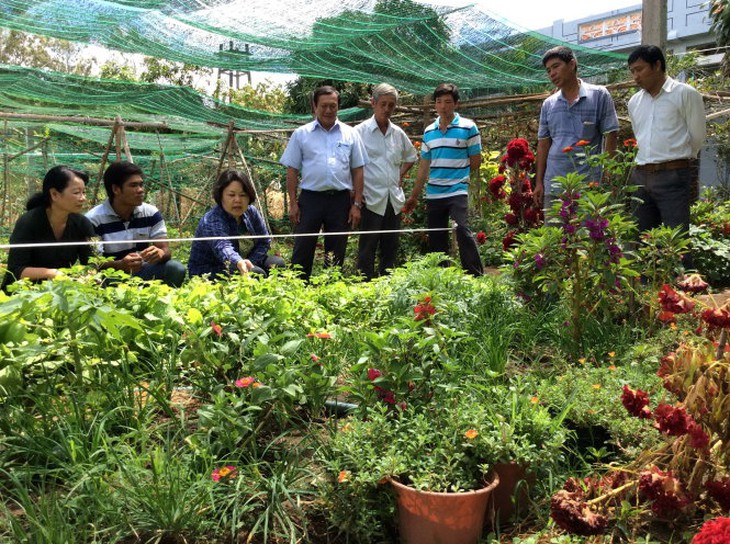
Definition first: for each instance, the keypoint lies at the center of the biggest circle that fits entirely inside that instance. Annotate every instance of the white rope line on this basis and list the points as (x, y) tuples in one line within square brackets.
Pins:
[(213, 238)]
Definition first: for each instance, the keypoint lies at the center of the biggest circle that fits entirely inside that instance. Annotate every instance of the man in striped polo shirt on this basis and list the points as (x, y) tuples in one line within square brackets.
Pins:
[(450, 157), (125, 219)]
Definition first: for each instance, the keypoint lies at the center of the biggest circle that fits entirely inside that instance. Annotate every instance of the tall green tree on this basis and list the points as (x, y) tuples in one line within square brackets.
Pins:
[(33, 51)]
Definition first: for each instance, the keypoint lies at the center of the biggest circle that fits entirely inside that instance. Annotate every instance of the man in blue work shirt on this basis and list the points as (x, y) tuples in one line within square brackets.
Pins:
[(330, 157), (578, 111), (450, 157)]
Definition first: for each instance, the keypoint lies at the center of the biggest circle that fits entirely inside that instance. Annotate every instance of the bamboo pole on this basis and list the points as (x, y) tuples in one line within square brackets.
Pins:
[(104, 158), (80, 120)]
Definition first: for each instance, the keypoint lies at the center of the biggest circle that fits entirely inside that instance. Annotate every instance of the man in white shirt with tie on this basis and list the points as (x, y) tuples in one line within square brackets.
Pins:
[(668, 119), (391, 155)]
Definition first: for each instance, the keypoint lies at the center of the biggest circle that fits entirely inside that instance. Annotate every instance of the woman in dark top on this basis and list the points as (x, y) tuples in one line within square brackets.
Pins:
[(53, 216), (233, 215)]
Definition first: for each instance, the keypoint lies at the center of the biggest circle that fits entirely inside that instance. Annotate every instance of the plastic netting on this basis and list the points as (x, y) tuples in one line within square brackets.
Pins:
[(410, 44)]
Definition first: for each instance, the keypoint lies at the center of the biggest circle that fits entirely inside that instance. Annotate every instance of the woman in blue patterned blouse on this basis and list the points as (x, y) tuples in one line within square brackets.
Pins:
[(233, 215)]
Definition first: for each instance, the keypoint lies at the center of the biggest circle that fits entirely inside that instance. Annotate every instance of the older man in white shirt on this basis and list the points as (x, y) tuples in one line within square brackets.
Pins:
[(391, 155), (668, 118)]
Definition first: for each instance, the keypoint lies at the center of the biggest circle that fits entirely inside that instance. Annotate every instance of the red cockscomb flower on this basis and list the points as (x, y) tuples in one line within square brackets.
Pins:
[(517, 149), (720, 491), (672, 420), (674, 302), (572, 514), (636, 402), (510, 218), (509, 240), (693, 284), (714, 531), (717, 317), (481, 238), (666, 493)]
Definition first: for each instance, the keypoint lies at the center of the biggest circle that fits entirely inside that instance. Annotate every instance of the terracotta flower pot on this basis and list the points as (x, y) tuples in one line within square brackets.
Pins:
[(442, 518), (510, 496)]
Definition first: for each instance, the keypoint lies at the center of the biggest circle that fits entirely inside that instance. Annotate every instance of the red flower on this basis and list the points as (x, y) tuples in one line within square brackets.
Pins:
[(509, 240), (374, 373), (515, 202), (630, 143), (636, 402), (672, 420), (666, 493), (424, 310), (517, 149), (216, 329), (495, 186), (572, 514), (314, 358), (533, 216), (481, 238), (666, 317), (698, 437), (720, 491), (510, 218), (581, 143), (527, 161), (567, 149), (714, 531), (671, 301), (693, 284), (717, 317)]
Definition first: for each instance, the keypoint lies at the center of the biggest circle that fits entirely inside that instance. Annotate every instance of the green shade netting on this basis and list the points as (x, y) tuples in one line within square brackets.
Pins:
[(26, 90), (407, 43)]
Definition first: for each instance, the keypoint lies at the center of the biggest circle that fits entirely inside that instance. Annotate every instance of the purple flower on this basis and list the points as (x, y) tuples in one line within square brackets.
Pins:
[(597, 228), (569, 228), (539, 261), (614, 251)]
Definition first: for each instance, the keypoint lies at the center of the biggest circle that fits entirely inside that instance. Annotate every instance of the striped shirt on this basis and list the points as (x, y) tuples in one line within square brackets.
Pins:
[(146, 223), (449, 153)]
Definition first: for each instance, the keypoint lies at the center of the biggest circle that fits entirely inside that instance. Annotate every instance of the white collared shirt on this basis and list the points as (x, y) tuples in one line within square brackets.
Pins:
[(669, 126), (386, 153), (325, 158)]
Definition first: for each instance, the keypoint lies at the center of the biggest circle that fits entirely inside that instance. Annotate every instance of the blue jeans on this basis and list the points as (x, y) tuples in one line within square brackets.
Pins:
[(170, 272)]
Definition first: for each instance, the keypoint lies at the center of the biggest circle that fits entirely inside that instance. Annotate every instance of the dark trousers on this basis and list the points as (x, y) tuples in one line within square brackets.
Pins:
[(327, 210), (665, 197), (438, 212), (369, 243)]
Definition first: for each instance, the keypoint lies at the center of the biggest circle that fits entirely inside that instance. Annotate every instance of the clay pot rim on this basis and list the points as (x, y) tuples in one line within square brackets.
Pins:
[(492, 478)]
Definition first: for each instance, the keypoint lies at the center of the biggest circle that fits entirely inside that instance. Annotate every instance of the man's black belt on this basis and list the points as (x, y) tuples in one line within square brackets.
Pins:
[(661, 166), (327, 192)]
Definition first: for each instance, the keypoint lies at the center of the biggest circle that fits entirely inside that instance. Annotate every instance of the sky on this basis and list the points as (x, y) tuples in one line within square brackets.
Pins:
[(537, 14)]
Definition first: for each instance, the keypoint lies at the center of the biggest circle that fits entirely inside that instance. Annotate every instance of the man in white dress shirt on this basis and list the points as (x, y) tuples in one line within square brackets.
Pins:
[(668, 118), (391, 155)]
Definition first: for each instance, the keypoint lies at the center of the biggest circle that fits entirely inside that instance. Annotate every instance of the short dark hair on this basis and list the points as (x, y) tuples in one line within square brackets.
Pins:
[(56, 178), (324, 90), (561, 52), (117, 173), (226, 178), (447, 88), (650, 54)]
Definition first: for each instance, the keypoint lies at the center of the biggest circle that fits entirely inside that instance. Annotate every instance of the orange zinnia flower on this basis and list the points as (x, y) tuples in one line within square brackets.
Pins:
[(567, 149), (471, 434), (319, 335), (343, 476), (581, 143)]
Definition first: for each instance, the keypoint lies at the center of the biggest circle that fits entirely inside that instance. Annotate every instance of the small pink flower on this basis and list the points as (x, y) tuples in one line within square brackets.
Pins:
[(248, 381), (216, 328)]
